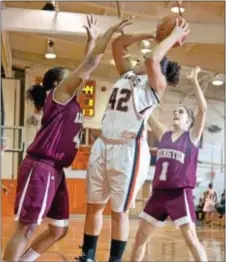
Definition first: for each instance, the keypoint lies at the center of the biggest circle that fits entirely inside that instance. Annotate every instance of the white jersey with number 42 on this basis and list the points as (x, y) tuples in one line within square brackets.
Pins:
[(131, 103)]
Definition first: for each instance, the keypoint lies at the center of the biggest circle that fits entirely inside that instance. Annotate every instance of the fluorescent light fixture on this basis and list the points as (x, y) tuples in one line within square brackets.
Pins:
[(217, 82), (50, 56), (176, 10)]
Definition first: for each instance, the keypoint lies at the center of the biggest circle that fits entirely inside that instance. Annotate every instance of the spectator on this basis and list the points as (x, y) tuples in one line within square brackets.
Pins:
[(220, 207), (210, 202), (199, 209)]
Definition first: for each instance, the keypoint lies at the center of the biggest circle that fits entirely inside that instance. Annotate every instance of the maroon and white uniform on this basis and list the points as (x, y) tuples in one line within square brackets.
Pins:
[(41, 186), (174, 179)]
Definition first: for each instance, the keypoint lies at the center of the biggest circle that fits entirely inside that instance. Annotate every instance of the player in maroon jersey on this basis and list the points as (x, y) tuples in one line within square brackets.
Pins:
[(175, 176), (41, 187)]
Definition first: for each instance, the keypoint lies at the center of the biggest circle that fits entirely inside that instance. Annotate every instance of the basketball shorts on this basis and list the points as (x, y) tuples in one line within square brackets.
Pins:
[(174, 203), (41, 193), (117, 172)]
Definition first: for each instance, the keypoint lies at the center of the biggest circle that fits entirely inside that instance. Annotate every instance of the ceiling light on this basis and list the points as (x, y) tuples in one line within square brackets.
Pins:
[(217, 82), (50, 54), (145, 50), (175, 9)]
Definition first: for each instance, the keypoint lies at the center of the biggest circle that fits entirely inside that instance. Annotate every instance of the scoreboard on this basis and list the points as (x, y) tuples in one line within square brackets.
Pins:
[(87, 98)]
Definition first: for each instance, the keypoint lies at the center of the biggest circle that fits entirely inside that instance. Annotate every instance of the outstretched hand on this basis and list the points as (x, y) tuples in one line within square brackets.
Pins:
[(91, 27), (118, 28), (194, 73), (181, 30)]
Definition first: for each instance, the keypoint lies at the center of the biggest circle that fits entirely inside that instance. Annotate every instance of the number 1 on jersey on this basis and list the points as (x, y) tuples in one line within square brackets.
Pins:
[(164, 170)]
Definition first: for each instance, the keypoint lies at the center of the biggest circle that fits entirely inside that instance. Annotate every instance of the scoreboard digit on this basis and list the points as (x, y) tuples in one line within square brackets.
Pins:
[(87, 98)]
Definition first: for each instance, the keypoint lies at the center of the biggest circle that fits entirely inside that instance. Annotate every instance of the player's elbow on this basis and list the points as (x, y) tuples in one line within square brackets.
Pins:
[(152, 58), (91, 63), (121, 41), (151, 63), (202, 109)]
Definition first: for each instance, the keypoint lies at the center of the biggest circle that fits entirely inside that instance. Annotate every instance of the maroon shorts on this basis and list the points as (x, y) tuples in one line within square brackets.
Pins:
[(174, 203), (41, 192)]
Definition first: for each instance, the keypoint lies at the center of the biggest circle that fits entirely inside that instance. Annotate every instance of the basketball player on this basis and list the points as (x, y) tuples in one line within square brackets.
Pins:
[(41, 186), (120, 158), (175, 176)]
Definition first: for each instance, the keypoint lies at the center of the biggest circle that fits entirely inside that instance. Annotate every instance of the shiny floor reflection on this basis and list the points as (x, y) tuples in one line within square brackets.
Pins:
[(166, 244)]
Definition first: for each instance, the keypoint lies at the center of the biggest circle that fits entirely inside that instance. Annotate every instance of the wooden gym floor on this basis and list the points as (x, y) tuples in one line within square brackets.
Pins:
[(165, 245)]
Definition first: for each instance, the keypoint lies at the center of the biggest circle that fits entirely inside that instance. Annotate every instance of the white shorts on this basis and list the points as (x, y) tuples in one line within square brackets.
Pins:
[(117, 172)]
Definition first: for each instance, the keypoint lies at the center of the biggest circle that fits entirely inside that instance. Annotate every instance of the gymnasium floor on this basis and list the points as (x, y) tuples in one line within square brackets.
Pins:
[(166, 244)]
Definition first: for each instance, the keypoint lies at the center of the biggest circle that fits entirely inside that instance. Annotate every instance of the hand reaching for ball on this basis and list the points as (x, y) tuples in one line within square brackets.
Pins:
[(181, 30), (118, 27)]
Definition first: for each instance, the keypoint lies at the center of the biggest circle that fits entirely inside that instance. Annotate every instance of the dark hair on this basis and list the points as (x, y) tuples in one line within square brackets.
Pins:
[(37, 93), (171, 70), (210, 185)]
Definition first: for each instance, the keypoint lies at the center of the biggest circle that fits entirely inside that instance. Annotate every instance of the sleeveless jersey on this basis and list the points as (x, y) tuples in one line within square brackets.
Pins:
[(59, 136), (176, 162), (131, 103)]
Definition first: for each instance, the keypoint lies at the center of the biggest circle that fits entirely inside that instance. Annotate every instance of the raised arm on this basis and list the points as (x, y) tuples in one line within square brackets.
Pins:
[(92, 34), (66, 89), (123, 61), (157, 127), (200, 116), (152, 60)]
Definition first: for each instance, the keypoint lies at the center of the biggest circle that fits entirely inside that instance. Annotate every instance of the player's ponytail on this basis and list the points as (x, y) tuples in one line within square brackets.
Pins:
[(37, 93)]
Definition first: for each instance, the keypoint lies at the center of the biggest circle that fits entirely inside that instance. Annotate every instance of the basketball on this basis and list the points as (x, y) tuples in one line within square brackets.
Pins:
[(166, 26)]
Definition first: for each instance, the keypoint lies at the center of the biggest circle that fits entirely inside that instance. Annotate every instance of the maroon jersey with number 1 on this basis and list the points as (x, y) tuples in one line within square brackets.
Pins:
[(176, 162)]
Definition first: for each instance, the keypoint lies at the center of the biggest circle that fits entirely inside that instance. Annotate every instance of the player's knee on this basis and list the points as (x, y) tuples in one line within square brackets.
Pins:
[(94, 209), (191, 239), (191, 242), (58, 233), (141, 236), (26, 230), (119, 217)]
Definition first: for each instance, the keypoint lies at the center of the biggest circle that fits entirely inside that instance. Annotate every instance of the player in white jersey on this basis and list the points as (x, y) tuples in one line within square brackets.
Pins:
[(120, 158)]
